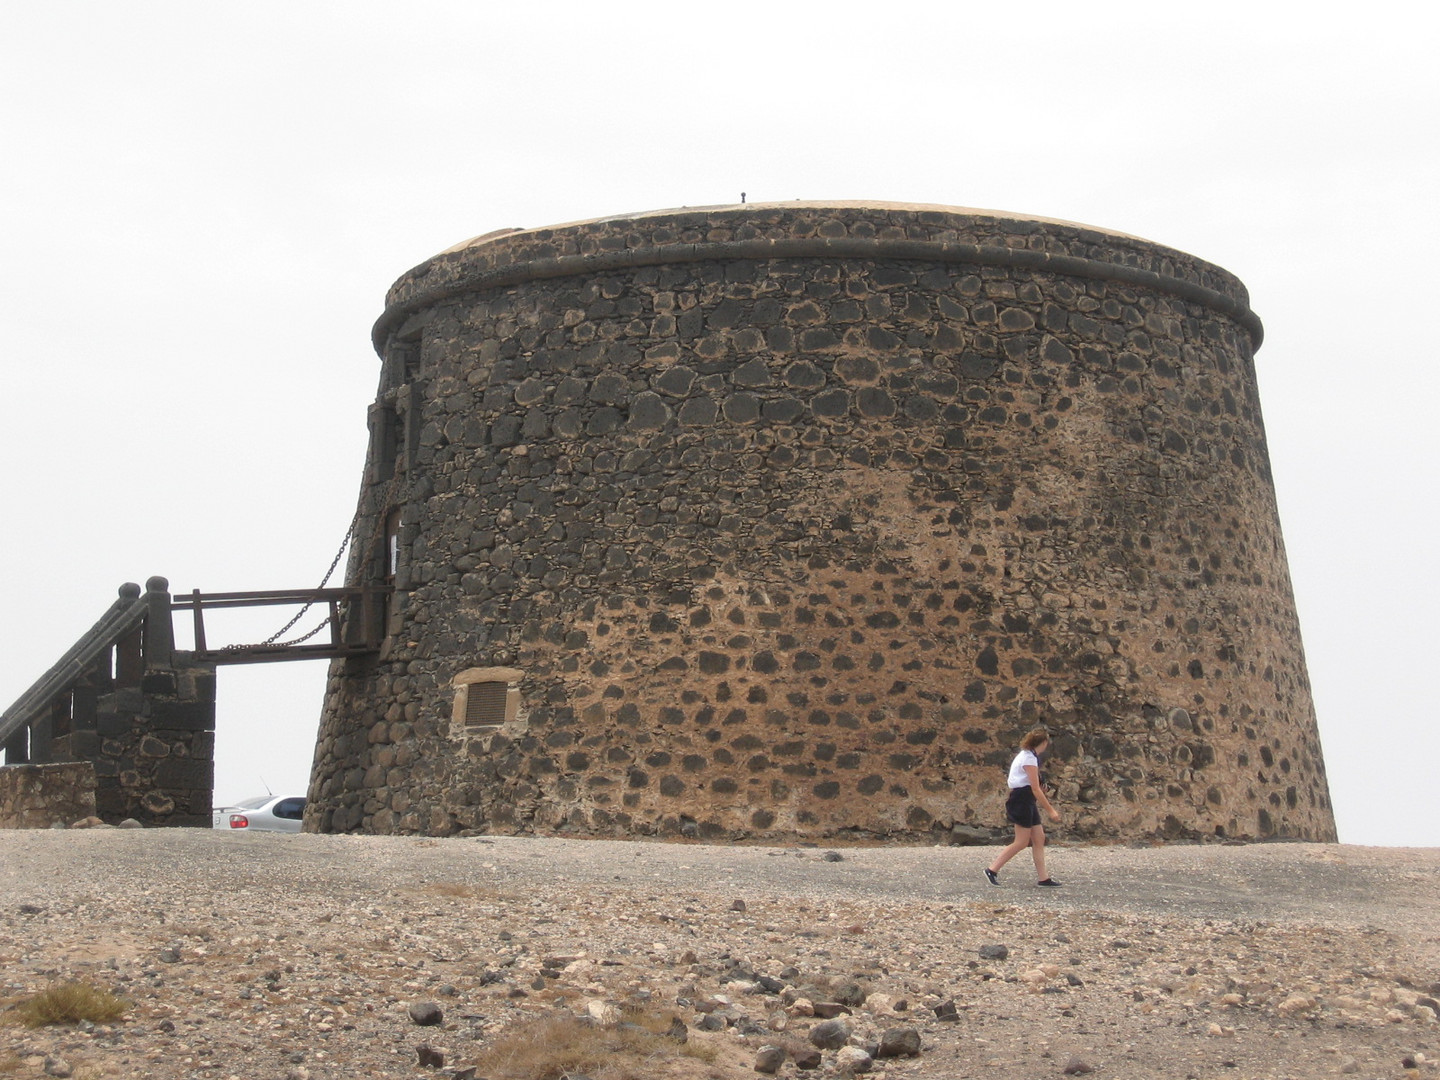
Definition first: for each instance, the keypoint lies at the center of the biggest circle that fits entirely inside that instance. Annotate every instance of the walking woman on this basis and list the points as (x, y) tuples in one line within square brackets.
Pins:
[(1022, 809)]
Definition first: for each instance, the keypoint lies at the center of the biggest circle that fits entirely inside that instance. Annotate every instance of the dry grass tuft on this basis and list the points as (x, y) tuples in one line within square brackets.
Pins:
[(455, 890), (551, 1047), (70, 1003), (451, 888)]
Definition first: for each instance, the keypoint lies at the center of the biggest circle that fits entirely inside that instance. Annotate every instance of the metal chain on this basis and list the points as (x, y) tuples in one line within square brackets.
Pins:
[(385, 500), (344, 543), (321, 625), (273, 639)]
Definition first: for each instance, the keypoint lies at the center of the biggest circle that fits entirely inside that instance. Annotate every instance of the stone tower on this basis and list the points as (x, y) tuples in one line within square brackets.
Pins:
[(788, 520)]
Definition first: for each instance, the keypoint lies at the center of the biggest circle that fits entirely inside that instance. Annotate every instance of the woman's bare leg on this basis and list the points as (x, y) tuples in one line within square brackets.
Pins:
[(1037, 849), (1019, 844)]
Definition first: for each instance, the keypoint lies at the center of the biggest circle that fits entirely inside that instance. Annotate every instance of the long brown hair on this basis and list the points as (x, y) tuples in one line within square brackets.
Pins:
[(1035, 738)]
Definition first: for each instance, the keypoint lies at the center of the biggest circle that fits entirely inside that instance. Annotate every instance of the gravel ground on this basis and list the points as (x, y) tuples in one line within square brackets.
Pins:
[(260, 956)]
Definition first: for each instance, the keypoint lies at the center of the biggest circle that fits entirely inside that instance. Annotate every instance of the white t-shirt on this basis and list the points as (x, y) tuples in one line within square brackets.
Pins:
[(1017, 777)]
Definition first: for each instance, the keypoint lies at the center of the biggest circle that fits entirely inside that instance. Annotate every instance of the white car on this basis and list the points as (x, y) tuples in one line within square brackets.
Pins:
[(264, 813)]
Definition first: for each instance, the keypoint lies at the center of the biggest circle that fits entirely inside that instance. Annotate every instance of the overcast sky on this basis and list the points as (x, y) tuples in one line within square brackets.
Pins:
[(202, 205)]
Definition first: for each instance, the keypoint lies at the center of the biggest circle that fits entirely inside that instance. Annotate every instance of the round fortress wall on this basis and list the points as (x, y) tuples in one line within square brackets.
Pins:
[(779, 521)]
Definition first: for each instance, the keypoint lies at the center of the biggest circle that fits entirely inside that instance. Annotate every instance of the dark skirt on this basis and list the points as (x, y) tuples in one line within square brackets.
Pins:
[(1021, 808)]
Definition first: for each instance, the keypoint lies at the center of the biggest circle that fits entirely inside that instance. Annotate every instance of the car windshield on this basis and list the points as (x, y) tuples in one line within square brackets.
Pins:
[(255, 803)]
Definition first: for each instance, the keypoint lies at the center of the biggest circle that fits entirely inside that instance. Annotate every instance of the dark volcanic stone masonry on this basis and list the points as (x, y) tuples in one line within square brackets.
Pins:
[(786, 521)]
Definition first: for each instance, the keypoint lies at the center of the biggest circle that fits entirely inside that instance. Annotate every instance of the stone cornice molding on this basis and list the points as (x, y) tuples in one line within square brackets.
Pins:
[(485, 278)]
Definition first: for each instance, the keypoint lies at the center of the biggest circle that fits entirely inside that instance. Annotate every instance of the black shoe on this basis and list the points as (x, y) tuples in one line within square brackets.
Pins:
[(991, 876), (1049, 883)]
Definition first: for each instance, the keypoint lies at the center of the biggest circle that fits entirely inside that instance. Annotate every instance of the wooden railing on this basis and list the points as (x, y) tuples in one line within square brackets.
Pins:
[(352, 623), (129, 639), (136, 636)]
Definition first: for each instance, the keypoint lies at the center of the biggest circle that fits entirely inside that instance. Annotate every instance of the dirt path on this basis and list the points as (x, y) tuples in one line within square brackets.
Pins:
[(298, 956)]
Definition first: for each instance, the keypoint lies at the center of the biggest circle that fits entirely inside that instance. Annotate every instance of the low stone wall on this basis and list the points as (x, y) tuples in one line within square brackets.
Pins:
[(44, 796)]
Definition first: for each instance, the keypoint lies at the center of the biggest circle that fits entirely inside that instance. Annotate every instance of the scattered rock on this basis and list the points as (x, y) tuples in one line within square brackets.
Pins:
[(806, 1057), (602, 1012), (1297, 1003), (426, 1014), (851, 994), (994, 952), (899, 1042), (853, 1059), (946, 1012), (1076, 1067), (428, 1057), (832, 856), (768, 1059), (830, 1034)]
